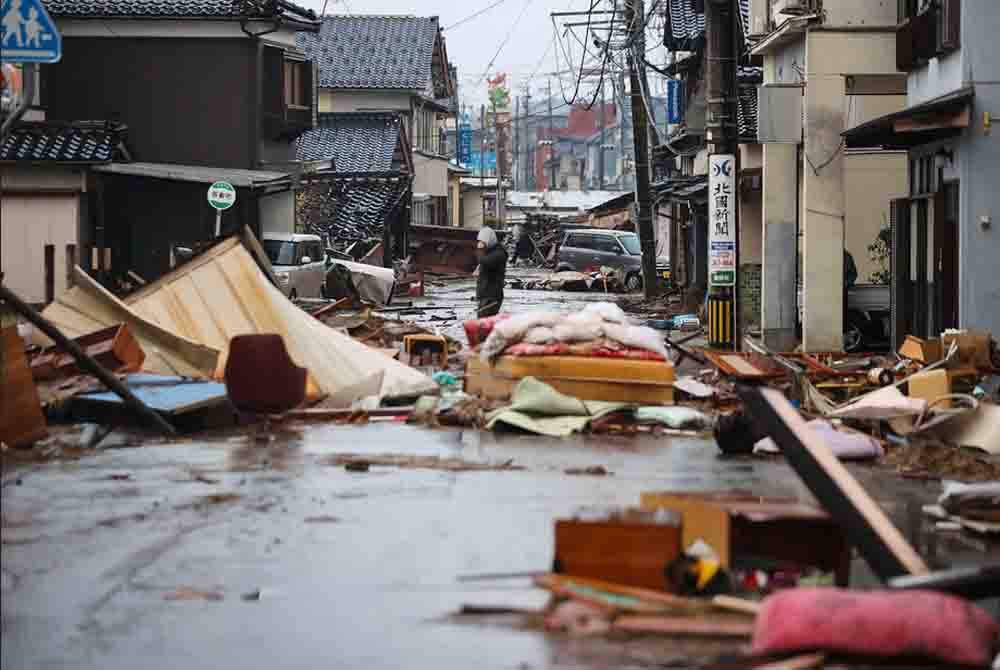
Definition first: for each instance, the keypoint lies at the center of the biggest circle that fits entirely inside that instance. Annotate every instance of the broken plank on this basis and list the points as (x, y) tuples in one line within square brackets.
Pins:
[(866, 525), (693, 626)]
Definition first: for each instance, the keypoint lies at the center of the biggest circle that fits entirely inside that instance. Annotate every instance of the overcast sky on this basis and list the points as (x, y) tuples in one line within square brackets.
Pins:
[(472, 44)]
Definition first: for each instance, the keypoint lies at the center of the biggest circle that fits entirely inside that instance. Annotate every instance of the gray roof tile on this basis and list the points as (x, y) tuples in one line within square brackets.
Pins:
[(391, 52), (178, 9), (351, 210), (363, 142), (78, 142)]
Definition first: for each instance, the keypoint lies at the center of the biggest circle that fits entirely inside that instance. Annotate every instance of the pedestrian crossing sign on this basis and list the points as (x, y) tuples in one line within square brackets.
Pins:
[(28, 33)]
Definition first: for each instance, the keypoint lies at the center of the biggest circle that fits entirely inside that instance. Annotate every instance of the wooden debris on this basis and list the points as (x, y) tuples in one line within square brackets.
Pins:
[(21, 420), (867, 526), (689, 626), (417, 462)]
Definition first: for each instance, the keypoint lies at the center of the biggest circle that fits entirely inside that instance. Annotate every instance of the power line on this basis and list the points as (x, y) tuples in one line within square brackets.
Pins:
[(506, 39), (476, 15)]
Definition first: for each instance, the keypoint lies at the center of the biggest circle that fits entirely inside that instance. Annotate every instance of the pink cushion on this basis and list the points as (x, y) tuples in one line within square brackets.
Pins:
[(882, 624)]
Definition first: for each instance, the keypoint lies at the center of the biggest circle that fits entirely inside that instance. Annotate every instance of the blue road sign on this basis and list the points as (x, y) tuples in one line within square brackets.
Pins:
[(464, 144), (675, 101), (29, 34)]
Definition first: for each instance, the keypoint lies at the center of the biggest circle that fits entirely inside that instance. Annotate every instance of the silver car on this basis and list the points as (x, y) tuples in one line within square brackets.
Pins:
[(589, 250), (299, 262)]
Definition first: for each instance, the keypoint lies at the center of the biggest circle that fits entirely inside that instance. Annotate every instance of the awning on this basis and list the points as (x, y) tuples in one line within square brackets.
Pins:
[(689, 188), (934, 120), (199, 174)]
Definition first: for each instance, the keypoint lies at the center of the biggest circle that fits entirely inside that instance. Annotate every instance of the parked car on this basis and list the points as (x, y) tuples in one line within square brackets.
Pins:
[(869, 312), (584, 250), (299, 262)]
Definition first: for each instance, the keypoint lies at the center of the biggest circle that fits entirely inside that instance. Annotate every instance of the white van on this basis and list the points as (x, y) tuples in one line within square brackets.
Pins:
[(299, 261)]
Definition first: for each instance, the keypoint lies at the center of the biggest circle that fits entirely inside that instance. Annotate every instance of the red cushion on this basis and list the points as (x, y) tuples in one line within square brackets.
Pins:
[(882, 624), (261, 377), (477, 330)]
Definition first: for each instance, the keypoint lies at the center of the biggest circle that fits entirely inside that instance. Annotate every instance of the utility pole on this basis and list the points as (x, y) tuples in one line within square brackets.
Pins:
[(517, 143), (552, 145), (722, 135), (635, 15), (482, 160), (600, 151), (529, 137)]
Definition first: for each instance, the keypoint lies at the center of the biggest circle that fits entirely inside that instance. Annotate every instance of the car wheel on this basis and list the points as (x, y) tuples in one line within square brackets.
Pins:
[(633, 282), (563, 268), (854, 339)]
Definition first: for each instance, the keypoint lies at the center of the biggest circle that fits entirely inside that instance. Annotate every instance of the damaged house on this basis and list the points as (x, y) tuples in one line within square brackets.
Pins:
[(363, 198), (399, 65), (208, 90)]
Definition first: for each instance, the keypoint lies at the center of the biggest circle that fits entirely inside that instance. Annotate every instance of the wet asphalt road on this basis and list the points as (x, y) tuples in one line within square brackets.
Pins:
[(353, 570)]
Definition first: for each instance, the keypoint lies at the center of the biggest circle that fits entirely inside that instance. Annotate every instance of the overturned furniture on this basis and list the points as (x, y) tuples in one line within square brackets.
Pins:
[(586, 378)]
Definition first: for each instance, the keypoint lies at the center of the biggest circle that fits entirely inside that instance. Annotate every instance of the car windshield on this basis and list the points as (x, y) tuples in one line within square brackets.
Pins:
[(631, 244), (280, 253)]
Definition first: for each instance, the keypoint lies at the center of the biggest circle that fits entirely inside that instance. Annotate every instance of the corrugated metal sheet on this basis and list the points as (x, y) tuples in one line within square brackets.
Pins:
[(223, 293), (88, 308)]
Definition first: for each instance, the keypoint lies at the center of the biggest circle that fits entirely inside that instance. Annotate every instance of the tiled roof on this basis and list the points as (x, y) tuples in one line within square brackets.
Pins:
[(351, 210), (363, 142), (747, 112), (685, 30), (78, 142), (393, 52), (746, 102), (179, 9)]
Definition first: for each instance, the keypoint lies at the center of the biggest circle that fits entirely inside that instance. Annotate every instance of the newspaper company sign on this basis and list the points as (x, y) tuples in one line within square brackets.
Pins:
[(722, 220)]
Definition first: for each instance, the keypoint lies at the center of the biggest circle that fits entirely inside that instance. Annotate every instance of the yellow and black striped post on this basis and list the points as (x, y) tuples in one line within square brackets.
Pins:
[(721, 319)]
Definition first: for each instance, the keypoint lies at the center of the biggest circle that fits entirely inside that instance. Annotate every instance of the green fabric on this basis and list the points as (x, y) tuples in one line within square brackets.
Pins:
[(538, 408)]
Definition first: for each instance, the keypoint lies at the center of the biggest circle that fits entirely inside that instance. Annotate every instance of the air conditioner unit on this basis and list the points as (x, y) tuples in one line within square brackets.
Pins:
[(759, 23)]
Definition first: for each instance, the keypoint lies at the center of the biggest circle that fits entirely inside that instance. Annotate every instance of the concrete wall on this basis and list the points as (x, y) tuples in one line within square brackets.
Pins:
[(780, 250), (860, 13), (30, 222), (430, 175), (979, 248), (472, 209), (867, 207), (751, 227), (830, 55), (277, 213)]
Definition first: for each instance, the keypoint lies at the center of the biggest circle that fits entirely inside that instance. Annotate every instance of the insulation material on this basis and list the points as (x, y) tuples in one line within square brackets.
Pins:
[(223, 293)]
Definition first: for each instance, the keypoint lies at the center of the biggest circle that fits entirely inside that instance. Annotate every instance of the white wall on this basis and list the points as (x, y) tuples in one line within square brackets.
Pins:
[(277, 213), (345, 100), (430, 175), (29, 223), (871, 181), (860, 13)]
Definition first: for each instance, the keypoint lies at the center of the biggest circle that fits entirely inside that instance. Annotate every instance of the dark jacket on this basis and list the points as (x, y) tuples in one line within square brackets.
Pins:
[(492, 271)]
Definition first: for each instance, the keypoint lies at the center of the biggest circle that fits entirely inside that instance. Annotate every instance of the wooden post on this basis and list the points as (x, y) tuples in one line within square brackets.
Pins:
[(70, 265), (50, 273), (85, 362)]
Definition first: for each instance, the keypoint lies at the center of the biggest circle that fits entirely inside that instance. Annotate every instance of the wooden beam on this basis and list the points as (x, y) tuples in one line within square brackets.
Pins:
[(85, 362), (934, 121), (866, 525)]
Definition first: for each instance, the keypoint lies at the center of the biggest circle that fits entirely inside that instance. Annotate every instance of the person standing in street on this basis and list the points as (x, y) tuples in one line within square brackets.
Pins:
[(492, 273)]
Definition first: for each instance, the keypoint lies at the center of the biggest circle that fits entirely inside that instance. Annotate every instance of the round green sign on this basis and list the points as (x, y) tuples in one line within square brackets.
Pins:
[(221, 195)]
